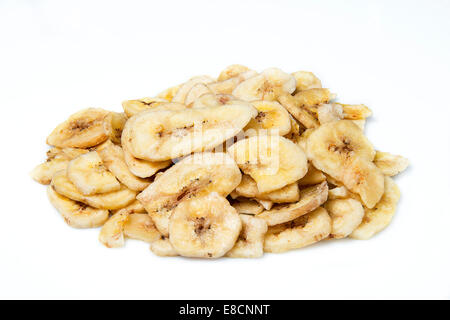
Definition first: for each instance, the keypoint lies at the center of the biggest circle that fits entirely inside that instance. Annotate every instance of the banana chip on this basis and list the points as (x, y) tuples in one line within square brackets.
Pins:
[(250, 243), (299, 233), (379, 217), (390, 164), (310, 199), (204, 227), (346, 215)]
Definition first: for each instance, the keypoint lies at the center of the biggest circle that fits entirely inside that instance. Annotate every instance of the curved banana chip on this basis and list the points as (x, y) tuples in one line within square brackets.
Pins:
[(299, 233), (90, 176), (163, 248), (265, 86), (204, 227), (272, 161), (118, 121), (378, 218), (341, 150), (132, 107), (346, 215), (250, 243), (43, 172), (114, 159), (390, 164), (133, 207), (247, 206), (76, 214), (138, 167), (110, 201), (111, 234), (292, 105), (232, 71), (164, 135), (184, 89), (198, 174), (140, 226), (312, 98), (310, 199), (84, 129), (248, 188), (356, 111), (272, 118), (306, 80)]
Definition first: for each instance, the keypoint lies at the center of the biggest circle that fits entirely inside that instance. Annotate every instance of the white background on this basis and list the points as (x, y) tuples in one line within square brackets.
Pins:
[(57, 57)]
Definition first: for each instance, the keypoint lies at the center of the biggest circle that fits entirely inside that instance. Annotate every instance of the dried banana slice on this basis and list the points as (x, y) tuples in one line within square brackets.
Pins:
[(138, 167), (313, 97), (298, 233), (111, 234), (306, 80), (356, 111), (341, 150), (90, 176), (164, 135), (43, 172), (292, 105), (163, 248), (118, 121), (390, 164), (114, 159), (84, 129), (132, 107), (272, 161), (184, 89), (329, 113), (195, 175), (346, 215), (232, 71), (77, 214), (265, 86), (110, 201), (247, 206), (140, 226), (250, 243), (272, 118), (248, 188), (198, 90), (378, 218), (133, 207), (312, 177), (204, 227), (310, 199)]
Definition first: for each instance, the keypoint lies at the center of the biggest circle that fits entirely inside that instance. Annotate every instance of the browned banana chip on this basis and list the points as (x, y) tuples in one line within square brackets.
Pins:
[(310, 199)]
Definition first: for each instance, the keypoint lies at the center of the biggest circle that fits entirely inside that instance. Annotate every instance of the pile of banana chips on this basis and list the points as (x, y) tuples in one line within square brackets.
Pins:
[(233, 166)]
